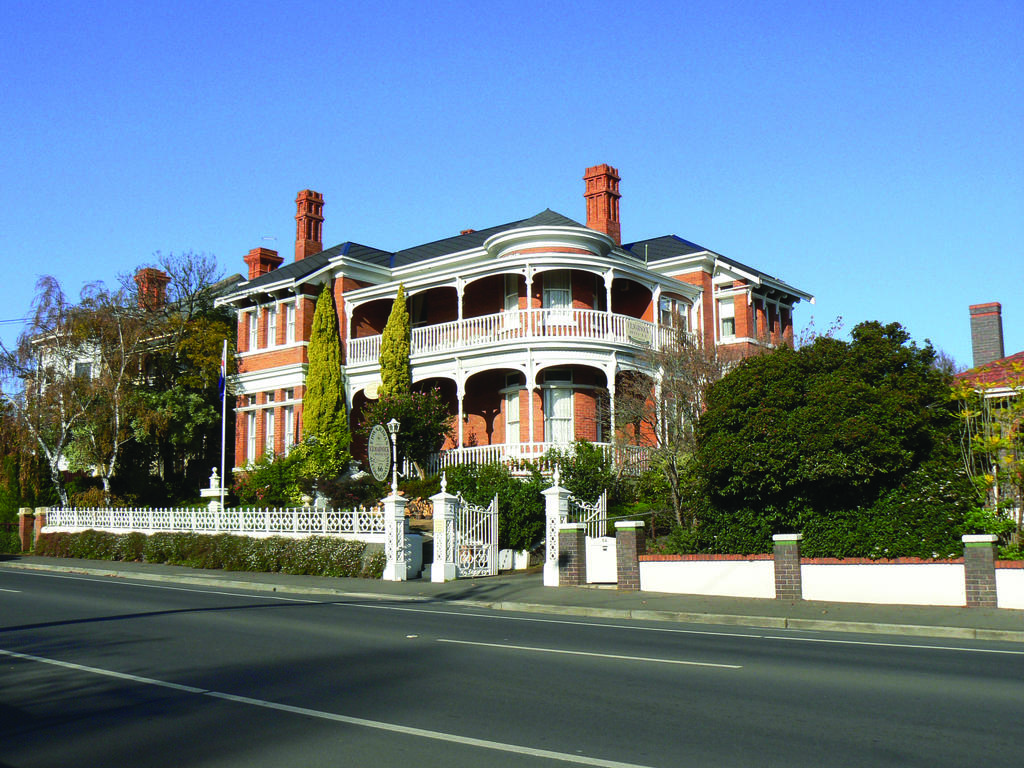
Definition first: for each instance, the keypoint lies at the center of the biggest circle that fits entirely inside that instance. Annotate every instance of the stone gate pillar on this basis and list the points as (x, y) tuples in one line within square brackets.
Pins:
[(556, 512), (443, 568), (629, 545), (395, 526), (788, 583), (572, 554)]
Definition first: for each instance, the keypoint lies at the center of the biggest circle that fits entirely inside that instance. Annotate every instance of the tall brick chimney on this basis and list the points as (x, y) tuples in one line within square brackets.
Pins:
[(602, 194), (986, 332), (308, 224), (152, 287), (262, 260)]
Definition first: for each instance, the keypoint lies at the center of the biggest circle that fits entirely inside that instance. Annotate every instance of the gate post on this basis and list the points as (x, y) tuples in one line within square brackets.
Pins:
[(41, 515), (980, 570), (572, 554), (394, 538), (26, 523), (443, 568), (556, 511), (629, 545)]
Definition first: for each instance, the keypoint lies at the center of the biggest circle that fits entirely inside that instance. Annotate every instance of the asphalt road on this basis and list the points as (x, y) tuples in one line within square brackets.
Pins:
[(109, 672)]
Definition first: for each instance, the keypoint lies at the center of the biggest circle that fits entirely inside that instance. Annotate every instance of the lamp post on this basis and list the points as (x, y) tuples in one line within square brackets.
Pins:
[(393, 426)]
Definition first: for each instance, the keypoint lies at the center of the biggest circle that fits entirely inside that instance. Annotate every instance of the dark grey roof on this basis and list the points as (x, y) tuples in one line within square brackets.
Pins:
[(296, 270), (475, 239), (664, 247)]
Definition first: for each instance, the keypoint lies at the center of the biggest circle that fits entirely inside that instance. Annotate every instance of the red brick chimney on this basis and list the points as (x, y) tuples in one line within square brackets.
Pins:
[(262, 260), (152, 287), (602, 194), (986, 332), (309, 224)]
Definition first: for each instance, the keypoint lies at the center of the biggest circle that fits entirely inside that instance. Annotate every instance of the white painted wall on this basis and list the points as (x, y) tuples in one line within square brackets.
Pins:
[(1010, 588), (900, 584), (732, 578)]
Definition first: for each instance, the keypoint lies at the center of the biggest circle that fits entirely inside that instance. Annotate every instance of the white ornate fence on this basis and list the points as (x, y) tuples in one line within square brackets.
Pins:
[(359, 524)]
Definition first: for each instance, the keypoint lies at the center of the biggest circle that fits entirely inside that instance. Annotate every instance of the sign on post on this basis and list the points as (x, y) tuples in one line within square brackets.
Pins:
[(378, 452)]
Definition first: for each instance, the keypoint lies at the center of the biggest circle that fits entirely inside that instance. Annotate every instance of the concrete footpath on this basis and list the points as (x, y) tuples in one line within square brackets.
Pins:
[(525, 592)]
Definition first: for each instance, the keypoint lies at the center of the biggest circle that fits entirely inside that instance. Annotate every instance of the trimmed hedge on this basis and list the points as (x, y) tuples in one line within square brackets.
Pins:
[(312, 556)]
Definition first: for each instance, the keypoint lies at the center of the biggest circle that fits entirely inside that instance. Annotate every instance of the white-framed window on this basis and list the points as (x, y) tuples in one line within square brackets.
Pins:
[(289, 427), (254, 329), (558, 408), (250, 436), (272, 326), (672, 313), (289, 323), (726, 319), (557, 295), (753, 317), (512, 410), (268, 430)]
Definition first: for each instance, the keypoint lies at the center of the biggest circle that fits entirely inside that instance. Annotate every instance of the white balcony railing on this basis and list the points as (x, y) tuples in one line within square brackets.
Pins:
[(518, 326), (635, 458)]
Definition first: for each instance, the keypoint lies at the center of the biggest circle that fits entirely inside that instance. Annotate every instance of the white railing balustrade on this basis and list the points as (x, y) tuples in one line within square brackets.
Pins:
[(635, 458), (516, 326), (360, 524)]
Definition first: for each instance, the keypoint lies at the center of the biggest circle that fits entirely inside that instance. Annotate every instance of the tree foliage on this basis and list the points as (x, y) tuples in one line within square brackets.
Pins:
[(662, 414), (424, 423), (395, 345), (991, 421), (803, 440), (520, 502), (323, 406)]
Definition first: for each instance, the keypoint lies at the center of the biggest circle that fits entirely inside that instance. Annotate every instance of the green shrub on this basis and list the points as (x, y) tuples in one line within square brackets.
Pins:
[(313, 556), (10, 543), (520, 503)]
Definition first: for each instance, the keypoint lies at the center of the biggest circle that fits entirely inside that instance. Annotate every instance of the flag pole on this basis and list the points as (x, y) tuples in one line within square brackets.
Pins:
[(223, 416)]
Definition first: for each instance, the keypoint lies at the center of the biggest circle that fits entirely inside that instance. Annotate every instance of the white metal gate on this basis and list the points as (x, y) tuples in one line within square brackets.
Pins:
[(601, 567), (476, 539)]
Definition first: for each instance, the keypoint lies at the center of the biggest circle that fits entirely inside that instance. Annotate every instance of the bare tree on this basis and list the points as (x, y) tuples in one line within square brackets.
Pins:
[(660, 412)]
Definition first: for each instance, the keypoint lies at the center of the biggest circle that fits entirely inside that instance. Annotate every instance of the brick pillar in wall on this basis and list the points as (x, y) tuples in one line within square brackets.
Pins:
[(40, 521), (26, 528), (629, 545), (986, 332), (980, 570), (572, 554), (787, 566)]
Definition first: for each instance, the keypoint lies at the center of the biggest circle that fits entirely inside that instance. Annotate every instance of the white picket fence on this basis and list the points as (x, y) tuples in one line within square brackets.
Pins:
[(358, 524)]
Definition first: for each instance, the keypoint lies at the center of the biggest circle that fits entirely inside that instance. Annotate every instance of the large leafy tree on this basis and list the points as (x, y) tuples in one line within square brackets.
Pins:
[(178, 431), (662, 413), (395, 345), (821, 439)]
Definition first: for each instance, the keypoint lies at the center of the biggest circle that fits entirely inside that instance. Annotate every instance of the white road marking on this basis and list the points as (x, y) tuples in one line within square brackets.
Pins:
[(379, 725), (894, 645), (11, 590), (596, 655)]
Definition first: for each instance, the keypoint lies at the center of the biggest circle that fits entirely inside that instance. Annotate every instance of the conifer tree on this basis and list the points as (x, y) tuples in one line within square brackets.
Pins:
[(395, 375), (323, 407)]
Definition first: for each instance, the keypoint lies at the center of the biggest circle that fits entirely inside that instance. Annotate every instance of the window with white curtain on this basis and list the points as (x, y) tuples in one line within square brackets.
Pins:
[(254, 329), (289, 323), (558, 408), (726, 318), (272, 326)]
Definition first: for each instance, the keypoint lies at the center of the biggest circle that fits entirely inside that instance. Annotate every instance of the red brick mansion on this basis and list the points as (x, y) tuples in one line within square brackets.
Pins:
[(526, 328)]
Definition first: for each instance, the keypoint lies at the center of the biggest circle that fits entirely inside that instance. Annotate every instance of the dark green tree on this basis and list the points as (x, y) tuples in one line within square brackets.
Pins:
[(395, 345), (323, 407), (817, 440)]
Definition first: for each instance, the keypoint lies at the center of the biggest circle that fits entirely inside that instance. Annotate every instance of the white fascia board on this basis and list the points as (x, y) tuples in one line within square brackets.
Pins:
[(281, 377), (353, 268)]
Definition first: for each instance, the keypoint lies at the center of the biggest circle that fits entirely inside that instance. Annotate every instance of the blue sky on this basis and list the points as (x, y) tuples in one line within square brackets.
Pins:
[(870, 153)]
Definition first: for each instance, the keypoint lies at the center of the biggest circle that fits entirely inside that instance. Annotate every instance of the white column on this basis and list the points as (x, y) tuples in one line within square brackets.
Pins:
[(395, 526), (443, 568), (460, 394), (556, 512)]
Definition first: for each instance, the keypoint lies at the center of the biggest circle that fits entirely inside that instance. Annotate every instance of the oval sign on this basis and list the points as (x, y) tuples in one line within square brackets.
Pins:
[(378, 452)]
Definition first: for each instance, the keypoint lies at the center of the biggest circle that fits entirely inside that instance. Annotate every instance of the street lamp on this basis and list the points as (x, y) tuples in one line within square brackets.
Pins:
[(393, 426)]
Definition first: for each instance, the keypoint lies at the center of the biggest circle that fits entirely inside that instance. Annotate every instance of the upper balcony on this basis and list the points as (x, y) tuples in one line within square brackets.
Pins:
[(522, 326)]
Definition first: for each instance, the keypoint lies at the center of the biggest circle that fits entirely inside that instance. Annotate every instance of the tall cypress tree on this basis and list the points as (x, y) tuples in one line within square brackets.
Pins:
[(395, 375), (323, 407)]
